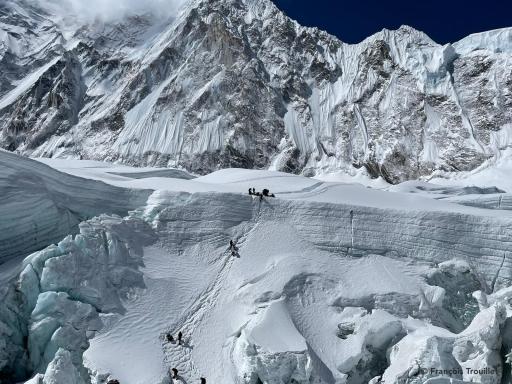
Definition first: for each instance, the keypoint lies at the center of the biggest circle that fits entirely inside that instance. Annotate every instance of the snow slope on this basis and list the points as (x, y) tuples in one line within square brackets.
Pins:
[(298, 273)]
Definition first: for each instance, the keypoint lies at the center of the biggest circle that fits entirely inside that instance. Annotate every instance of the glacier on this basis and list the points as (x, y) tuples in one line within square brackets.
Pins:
[(335, 283)]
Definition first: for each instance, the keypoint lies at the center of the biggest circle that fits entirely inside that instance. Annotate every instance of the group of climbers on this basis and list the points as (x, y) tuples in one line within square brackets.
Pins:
[(170, 338), (174, 375), (174, 371), (262, 194), (234, 252)]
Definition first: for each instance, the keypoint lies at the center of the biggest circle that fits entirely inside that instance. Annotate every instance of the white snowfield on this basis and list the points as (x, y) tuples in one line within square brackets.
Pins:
[(330, 283)]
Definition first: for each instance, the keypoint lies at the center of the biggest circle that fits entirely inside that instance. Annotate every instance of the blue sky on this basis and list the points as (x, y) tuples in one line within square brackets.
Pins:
[(443, 20)]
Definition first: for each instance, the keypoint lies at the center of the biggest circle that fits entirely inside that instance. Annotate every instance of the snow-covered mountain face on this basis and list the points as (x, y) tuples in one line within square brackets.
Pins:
[(230, 83)]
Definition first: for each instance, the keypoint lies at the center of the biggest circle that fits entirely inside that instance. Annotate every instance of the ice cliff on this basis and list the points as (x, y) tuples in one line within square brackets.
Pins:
[(40, 205)]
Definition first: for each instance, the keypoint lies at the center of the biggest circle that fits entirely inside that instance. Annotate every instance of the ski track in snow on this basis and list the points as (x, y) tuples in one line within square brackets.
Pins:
[(179, 356)]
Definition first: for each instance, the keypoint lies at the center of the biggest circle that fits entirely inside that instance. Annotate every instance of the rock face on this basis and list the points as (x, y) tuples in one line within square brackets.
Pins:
[(236, 83)]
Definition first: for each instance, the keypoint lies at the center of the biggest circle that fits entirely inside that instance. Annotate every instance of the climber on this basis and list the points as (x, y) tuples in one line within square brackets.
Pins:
[(232, 246), (174, 373), (253, 191), (203, 380), (250, 191), (180, 338), (267, 193), (169, 338)]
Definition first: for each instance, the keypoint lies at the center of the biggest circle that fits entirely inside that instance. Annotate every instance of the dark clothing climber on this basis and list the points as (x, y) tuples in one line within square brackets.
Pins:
[(169, 338), (203, 380), (250, 191), (180, 338), (174, 373), (233, 248), (267, 193)]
